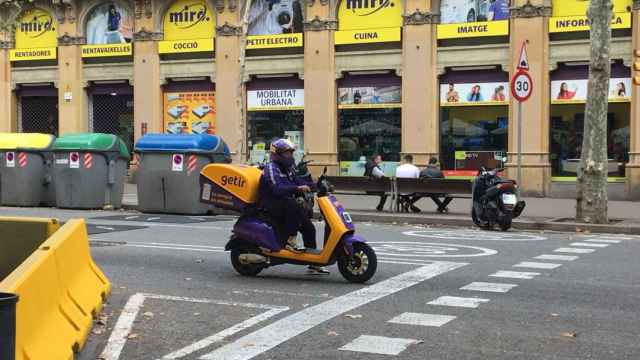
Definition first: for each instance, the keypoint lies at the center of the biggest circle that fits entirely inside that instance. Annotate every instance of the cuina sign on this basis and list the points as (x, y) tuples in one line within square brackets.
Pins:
[(367, 21)]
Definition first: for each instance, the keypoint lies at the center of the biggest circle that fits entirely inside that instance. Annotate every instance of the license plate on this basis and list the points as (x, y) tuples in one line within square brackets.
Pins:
[(509, 199)]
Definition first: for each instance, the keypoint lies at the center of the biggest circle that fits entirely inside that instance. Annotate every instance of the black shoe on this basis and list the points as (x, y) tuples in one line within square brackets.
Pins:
[(415, 209), (380, 207)]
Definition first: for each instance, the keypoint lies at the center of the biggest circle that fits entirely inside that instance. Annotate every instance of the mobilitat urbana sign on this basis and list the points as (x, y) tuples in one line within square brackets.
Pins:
[(36, 36), (189, 26), (369, 21), (571, 15), (275, 99)]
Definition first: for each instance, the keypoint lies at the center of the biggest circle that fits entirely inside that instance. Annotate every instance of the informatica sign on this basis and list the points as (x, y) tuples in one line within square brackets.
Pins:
[(275, 24), (189, 26), (282, 99), (571, 15), (473, 18), (369, 21), (36, 36), (109, 31)]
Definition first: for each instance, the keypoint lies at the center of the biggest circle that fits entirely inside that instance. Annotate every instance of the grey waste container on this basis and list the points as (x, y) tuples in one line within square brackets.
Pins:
[(169, 171), (25, 170), (89, 170), (8, 326)]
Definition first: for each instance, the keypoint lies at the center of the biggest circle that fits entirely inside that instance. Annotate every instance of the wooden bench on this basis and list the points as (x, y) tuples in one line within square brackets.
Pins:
[(360, 185), (447, 189)]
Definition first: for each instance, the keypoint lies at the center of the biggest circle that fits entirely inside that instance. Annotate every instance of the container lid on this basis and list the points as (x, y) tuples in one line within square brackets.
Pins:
[(26, 141), (182, 143), (96, 142)]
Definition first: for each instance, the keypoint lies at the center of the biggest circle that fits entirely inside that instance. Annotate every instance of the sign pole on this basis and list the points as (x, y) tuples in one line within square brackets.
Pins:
[(519, 145)]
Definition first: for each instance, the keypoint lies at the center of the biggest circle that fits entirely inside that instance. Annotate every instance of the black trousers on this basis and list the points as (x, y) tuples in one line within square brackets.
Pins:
[(291, 218)]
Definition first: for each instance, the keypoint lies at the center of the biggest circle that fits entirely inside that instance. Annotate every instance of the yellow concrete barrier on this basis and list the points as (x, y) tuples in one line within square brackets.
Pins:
[(59, 285)]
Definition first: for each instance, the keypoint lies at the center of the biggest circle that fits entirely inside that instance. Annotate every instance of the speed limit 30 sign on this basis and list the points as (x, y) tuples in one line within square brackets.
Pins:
[(521, 86)]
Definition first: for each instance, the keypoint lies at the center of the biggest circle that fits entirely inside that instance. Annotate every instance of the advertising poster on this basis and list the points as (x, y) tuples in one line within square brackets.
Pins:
[(575, 91), (190, 112), (571, 15), (473, 18), (282, 99), (275, 24), (370, 96), (189, 26), (109, 31), (36, 36), (364, 21), (495, 93)]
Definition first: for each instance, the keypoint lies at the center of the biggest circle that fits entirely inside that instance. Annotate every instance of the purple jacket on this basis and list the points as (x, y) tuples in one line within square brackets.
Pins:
[(277, 183)]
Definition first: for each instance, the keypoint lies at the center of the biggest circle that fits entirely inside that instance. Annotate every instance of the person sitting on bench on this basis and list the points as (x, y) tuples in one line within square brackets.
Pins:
[(408, 170), (432, 171)]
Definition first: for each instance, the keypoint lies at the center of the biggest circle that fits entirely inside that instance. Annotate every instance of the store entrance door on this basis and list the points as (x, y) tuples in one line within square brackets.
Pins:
[(111, 111), (38, 110)]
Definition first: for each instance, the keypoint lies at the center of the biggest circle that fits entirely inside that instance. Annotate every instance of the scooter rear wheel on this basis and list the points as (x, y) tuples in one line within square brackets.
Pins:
[(505, 223), (243, 268), (360, 266)]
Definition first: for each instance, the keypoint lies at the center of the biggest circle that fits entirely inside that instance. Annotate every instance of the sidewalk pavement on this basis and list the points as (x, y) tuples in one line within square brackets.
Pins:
[(539, 214)]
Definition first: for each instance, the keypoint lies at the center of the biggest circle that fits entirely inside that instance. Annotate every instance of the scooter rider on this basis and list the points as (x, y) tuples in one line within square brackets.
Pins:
[(278, 186)]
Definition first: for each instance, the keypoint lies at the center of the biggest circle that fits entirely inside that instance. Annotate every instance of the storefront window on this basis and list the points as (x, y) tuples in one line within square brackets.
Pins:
[(472, 137), (567, 124), (369, 118), (267, 126)]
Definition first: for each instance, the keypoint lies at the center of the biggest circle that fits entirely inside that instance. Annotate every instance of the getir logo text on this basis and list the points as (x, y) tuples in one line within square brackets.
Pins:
[(190, 15), (368, 7)]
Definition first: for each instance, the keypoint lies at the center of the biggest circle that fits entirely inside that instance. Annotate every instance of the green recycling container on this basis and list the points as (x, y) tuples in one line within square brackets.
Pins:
[(89, 170), (26, 169)]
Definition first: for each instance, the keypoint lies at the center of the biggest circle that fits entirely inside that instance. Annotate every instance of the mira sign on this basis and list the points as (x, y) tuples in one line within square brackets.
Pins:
[(189, 26), (36, 36)]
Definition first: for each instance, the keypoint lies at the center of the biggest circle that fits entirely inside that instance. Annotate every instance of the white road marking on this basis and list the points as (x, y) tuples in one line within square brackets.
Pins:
[(574, 250), (197, 218), (489, 287), (379, 345), (124, 325), (427, 250), (457, 234), (400, 262), (585, 244), (105, 228), (284, 293), (175, 248), (557, 257), (131, 217), (419, 319), (180, 245), (607, 241), (456, 301), (537, 265), (515, 274), (153, 219), (293, 325), (196, 226)]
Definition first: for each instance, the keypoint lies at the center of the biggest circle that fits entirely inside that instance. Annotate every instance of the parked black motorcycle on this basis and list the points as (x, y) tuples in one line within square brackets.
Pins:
[(495, 200)]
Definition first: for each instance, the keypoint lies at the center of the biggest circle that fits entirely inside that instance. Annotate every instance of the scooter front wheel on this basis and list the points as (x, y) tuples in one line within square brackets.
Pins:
[(243, 268), (360, 266)]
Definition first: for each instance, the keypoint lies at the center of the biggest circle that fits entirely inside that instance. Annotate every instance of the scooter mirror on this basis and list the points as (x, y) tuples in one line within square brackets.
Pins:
[(324, 172)]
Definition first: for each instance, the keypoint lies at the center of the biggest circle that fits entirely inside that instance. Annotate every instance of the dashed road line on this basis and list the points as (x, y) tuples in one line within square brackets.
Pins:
[(574, 250), (419, 319), (607, 241), (557, 257), (515, 274), (537, 265), (380, 345), (456, 301), (584, 244), (489, 287), (274, 334)]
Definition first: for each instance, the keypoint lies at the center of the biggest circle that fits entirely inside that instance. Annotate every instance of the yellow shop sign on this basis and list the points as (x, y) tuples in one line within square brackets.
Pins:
[(367, 36), (563, 8), (33, 54), (581, 23), (473, 29), (109, 50), (189, 19), (369, 14), (274, 41), (185, 46)]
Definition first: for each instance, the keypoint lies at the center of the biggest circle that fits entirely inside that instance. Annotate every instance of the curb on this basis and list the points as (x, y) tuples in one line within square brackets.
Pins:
[(517, 224)]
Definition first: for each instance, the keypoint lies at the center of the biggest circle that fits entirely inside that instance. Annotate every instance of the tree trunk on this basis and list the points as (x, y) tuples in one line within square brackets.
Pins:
[(591, 201)]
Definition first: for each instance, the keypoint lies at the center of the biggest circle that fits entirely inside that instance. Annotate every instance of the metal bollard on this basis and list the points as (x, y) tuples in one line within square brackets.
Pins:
[(8, 326)]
